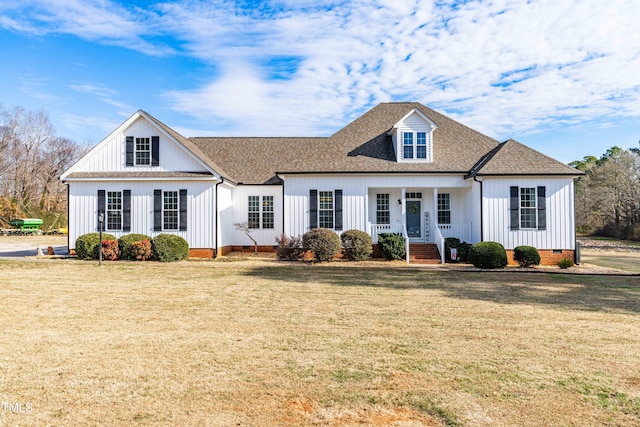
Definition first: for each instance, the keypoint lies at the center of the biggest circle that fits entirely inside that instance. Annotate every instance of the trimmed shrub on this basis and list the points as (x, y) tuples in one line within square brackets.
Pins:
[(110, 250), (462, 249), (169, 247), (526, 256), (127, 241), (289, 248), (87, 245), (488, 255), (391, 245), (356, 245), (141, 251), (324, 243), (565, 263)]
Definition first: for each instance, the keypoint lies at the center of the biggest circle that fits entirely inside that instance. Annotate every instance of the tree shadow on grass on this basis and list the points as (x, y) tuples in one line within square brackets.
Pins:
[(579, 292)]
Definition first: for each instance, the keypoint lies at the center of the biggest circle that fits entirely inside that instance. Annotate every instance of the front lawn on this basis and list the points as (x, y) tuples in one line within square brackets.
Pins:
[(264, 343)]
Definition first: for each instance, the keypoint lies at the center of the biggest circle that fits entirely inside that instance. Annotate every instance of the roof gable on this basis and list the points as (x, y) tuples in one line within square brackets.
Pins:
[(414, 112), (109, 156)]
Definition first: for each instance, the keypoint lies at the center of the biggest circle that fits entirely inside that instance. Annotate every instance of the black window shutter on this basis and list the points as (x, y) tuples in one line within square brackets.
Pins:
[(155, 151), (542, 208), (102, 205), (183, 210), (129, 151), (157, 210), (338, 211), (126, 210), (515, 208), (313, 209)]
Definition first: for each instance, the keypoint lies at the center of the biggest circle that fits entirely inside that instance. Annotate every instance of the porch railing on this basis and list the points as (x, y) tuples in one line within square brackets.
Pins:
[(460, 231), (439, 240), (377, 229), (406, 242)]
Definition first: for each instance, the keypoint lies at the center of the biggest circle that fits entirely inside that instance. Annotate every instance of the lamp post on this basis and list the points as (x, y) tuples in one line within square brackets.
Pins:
[(100, 227)]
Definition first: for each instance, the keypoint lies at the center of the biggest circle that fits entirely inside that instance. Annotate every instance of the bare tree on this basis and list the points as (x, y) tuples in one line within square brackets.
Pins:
[(31, 161), (244, 227)]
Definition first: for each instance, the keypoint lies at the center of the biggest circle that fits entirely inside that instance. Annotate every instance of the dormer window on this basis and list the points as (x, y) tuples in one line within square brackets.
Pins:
[(415, 146), (413, 138)]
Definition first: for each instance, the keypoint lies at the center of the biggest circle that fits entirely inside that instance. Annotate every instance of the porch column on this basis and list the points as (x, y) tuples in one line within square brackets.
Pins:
[(404, 204), (435, 207)]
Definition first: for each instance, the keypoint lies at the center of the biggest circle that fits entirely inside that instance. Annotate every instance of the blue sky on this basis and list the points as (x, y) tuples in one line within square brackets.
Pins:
[(562, 76)]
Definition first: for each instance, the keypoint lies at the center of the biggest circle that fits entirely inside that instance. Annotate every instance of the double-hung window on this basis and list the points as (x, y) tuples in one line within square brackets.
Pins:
[(325, 209), (254, 212), (143, 151), (170, 210), (267, 212), (114, 210), (257, 210), (528, 211), (528, 206), (416, 146), (407, 145), (444, 208), (421, 147), (383, 215)]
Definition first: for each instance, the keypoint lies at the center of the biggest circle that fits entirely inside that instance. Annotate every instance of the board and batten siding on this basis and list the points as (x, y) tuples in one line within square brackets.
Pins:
[(109, 156), (560, 228), (83, 208), (240, 209)]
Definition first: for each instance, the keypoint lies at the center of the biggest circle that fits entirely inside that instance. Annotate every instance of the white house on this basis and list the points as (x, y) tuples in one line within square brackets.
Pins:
[(400, 167)]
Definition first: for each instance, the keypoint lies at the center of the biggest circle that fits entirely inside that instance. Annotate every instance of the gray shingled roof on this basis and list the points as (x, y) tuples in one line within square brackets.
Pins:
[(514, 158), (189, 146), (364, 146)]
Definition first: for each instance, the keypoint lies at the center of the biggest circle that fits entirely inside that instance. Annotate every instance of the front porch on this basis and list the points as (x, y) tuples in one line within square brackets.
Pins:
[(423, 216)]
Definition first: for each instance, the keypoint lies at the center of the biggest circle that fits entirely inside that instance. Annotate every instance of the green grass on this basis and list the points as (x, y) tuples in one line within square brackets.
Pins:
[(621, 261)]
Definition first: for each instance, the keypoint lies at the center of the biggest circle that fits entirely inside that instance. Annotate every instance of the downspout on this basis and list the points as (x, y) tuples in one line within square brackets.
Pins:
[(475, 178), (283, 222), (217, 219)]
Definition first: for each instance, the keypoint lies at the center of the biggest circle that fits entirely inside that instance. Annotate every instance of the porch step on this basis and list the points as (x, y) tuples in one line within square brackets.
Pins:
[(423, 253)]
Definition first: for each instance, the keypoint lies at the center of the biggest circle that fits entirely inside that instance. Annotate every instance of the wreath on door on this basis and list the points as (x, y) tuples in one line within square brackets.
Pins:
[(414, 209)]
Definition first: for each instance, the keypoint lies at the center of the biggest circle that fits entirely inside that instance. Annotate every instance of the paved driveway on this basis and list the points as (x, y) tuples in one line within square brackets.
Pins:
[(26, 247)]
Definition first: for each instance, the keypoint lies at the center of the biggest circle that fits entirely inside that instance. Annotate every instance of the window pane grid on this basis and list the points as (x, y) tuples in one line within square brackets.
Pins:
[(444, 208), (528, 213), (143, 151), (267, 212), (114, 210), (382, 209), (407, 144), (170, 210), (254, 212), (325, 209)]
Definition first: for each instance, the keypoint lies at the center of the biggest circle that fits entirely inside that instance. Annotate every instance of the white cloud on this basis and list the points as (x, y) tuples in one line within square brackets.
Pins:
[(505, 67)]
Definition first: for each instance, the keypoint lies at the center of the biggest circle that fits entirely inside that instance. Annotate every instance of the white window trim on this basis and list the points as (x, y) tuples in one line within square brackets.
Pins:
[(428, 146), (332, 210), (118, 211), (177, 210), (261, 212), (534, 208), (136, 151)]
